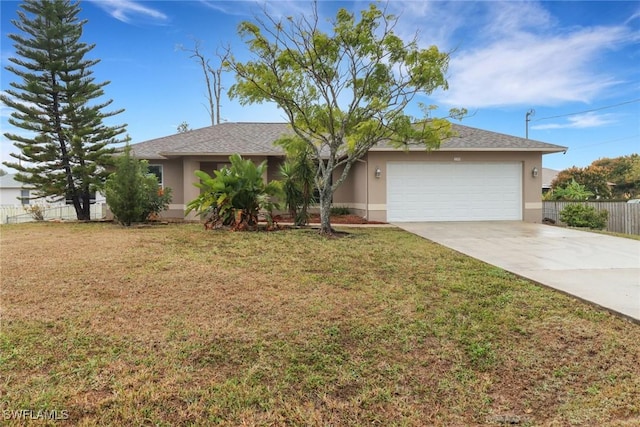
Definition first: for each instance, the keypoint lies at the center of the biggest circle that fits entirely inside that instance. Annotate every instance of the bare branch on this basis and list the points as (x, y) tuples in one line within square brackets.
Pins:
[(212, 76)]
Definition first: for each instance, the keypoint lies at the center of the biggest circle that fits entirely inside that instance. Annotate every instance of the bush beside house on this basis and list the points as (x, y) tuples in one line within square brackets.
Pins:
[(132, 194)]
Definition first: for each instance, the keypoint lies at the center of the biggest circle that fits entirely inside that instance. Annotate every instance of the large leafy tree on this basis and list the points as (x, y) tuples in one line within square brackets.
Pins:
[(617, 177), (624, 172), (593, 178), (343, 91), (67, 147)]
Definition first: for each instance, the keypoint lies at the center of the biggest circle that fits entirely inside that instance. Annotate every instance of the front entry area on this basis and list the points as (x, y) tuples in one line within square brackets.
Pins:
[(454, 191)]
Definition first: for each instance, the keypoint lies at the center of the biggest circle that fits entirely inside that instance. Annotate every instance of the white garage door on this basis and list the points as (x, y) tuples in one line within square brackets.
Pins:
[(420, 191)]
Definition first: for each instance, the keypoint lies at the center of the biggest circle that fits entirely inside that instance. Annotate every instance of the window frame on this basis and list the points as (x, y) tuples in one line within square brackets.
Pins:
[(25, 196), (160, 175)]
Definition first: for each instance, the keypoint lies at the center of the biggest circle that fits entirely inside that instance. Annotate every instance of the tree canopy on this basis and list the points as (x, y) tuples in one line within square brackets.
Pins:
[(66, 149), (615, 178), (342, 91)]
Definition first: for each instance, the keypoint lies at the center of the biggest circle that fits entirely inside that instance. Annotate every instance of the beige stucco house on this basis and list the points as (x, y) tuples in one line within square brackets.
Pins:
[(477, 175)]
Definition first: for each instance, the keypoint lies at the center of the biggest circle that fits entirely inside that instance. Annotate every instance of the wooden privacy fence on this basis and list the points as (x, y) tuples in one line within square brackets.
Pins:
[(623, 217)]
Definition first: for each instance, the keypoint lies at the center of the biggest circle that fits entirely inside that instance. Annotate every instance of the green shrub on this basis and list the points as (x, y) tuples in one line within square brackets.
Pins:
[(298, 175), (580, 215), (132, 193), (235, 195), (157, 201), (340, 210)]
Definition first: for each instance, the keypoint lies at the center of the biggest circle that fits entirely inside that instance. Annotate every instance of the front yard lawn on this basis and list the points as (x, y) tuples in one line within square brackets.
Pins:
[(174, 325)]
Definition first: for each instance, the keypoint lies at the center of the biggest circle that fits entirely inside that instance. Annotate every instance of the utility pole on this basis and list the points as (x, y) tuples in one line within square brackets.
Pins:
[(527, 119)]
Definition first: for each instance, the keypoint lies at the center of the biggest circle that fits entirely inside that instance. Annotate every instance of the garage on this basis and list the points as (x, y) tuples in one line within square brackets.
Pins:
[(454, 191)]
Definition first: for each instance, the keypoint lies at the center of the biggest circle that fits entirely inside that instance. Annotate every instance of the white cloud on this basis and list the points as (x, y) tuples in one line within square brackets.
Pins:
[(581, 121), (508, 18), (123, 10), (227, 7), (532, 70), (276, 9), (434, 23), (513, 53), (5, 110)]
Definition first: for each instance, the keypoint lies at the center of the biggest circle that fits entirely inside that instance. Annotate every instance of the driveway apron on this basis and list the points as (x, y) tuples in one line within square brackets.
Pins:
[(601, 269)]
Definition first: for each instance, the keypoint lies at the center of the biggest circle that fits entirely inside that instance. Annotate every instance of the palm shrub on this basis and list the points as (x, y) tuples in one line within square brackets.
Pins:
[(291, 189), (572, 191), (234, 196), (133, 194), (298, 174)]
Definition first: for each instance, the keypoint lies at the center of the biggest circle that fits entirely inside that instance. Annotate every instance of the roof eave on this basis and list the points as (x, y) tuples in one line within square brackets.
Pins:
[(546, 150), (217, 154)]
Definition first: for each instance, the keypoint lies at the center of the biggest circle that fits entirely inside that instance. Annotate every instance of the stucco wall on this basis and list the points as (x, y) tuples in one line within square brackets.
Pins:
[(273, 168), (362, 192), (172, 178), (10, 196), (375, 206), (353, 191), (179, 174)]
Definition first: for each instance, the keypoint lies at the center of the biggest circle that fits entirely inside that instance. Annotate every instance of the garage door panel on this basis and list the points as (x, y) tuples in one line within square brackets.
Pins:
[(424, 191)]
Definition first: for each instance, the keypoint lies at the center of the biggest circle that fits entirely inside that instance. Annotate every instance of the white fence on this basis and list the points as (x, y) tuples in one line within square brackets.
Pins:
[(18, 214), (623, 217)]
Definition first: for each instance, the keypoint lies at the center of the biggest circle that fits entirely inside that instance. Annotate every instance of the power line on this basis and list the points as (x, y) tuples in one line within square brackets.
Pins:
[(604, 142), (589, 111)]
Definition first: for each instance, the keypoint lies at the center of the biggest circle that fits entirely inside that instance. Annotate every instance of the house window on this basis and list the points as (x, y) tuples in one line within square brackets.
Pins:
[(24, 197), (157, 171)]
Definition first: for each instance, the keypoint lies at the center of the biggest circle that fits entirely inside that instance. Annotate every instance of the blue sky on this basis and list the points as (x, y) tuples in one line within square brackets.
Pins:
[(577, 64)]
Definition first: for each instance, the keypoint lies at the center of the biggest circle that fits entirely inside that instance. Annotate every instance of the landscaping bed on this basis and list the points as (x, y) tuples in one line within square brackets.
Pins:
[(335, 219)]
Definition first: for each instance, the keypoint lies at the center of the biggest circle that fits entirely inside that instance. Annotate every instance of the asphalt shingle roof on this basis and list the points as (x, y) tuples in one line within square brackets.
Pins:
[(9, 181), (222, 139), (258, 138)]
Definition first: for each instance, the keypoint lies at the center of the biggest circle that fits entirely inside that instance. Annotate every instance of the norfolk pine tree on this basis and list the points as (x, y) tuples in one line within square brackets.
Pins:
[(67, 147), (342, 92)]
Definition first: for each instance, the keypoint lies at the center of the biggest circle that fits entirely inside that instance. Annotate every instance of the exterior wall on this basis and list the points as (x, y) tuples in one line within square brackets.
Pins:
[(179, 174), (377, 188), (172, 177), (10, 196), (362, 192), (273, 168), (353, 191)]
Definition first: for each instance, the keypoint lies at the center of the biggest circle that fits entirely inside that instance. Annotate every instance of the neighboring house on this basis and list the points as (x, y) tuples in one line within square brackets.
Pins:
[(12, 192), (475, 176), (16, 193), (548, 175)]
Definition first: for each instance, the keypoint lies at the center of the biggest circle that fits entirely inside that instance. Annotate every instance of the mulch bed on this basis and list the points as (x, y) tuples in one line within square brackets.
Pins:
[(335, 219)]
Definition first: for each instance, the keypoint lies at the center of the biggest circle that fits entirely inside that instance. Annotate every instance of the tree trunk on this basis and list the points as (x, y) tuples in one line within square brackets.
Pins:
[(325, 211), (86, 206), (75, 199), (81, 206)]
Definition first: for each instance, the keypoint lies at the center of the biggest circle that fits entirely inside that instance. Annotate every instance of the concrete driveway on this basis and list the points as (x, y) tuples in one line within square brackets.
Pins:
[(601, 269)]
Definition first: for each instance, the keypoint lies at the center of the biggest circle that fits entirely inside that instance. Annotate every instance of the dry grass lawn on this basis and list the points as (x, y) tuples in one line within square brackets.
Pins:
[(174, 325)]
